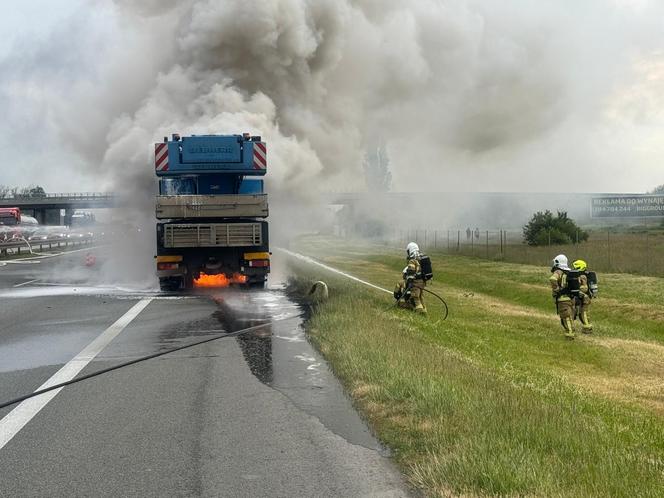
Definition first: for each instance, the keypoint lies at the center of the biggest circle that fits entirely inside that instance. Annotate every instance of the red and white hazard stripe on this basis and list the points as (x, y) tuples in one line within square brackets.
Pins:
[(260, 155), (161, 157)]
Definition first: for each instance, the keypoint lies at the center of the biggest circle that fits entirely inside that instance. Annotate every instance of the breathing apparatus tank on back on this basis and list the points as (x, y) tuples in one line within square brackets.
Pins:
[(413, 252), (593, 288), (425, 267), (573, 287)]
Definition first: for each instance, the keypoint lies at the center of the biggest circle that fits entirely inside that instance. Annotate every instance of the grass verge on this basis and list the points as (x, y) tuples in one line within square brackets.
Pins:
[(494, 401)]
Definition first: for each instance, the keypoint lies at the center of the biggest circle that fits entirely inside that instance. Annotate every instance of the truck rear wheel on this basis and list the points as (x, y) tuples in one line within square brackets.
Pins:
[(170, 284)]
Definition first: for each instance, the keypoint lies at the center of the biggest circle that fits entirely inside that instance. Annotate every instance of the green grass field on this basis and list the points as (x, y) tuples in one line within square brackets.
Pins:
[(494, 401)]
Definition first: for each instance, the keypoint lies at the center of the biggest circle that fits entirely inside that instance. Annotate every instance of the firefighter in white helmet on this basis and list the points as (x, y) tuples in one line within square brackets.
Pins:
[(410, 289), (561, 292)]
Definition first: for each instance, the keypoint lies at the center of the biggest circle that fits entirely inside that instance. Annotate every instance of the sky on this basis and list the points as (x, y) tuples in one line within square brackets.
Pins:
[(466, 95)]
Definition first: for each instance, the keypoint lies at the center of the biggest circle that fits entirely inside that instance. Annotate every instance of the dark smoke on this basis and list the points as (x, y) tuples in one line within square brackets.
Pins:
[(466, 95)]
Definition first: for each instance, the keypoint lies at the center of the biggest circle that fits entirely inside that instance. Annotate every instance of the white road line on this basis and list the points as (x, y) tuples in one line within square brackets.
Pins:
[(329, 268), (15, 420), (26, 283)]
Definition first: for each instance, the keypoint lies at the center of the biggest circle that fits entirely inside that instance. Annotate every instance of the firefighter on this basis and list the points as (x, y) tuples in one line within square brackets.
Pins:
[(410, 289), (582, 302), (561, 293)]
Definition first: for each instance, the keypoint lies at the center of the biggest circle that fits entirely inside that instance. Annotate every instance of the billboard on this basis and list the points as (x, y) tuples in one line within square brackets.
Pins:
[(628, 206)]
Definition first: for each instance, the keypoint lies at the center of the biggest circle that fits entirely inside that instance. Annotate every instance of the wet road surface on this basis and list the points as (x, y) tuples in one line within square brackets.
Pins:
[(255, 415)]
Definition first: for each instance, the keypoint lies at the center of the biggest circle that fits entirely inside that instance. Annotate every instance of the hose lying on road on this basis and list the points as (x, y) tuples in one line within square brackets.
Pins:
[(138, 360)]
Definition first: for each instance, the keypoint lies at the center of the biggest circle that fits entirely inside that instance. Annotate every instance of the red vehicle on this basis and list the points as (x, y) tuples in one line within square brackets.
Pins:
[(10, 216)]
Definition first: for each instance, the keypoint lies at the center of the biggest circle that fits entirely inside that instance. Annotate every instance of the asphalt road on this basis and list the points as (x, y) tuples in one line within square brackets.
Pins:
[(256, 415)]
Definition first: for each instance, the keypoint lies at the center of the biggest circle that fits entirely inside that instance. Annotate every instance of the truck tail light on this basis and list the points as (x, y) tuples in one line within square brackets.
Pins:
[(167, 266), (259, 263)]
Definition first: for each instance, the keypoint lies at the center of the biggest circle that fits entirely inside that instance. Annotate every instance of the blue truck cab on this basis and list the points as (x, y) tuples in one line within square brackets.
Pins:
[(211, 210)]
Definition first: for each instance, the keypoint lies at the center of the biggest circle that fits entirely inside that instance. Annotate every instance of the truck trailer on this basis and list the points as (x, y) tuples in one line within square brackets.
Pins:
[(211, 211)]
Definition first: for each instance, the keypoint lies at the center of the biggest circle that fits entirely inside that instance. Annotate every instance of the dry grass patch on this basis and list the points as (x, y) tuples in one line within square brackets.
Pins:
[(504, 307)]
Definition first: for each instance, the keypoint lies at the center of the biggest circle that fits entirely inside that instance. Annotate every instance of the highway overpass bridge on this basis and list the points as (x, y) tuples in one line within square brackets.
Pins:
[(46, 207), (428, 208)]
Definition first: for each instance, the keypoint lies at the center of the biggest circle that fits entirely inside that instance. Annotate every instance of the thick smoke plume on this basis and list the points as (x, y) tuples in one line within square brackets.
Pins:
[(466, 95)]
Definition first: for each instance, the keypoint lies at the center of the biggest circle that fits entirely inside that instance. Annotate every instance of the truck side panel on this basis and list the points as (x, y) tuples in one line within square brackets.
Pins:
[(211, 206)]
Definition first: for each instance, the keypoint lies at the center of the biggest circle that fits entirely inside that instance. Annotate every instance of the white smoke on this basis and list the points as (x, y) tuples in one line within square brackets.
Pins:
[(467, 94)]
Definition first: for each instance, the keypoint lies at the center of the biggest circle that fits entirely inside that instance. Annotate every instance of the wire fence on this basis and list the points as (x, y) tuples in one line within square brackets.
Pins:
[(606, 250)]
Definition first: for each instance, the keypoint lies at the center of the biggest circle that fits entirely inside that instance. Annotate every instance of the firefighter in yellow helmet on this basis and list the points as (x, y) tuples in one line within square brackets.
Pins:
[(582, 301), (560, 289), (410, 289)]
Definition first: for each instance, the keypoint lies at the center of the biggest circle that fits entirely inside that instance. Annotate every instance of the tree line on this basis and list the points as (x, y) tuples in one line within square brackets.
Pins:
[(8, 192)]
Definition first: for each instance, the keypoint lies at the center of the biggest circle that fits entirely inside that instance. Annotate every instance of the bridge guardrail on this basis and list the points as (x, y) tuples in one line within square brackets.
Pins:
[(73, 195), (18, 244)]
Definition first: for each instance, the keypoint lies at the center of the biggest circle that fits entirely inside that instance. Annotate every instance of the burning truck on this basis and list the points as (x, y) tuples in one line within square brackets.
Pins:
[(211, 211)]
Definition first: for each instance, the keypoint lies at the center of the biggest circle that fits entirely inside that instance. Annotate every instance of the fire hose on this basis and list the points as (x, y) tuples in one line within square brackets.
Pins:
[(138, 360), (447, 310)]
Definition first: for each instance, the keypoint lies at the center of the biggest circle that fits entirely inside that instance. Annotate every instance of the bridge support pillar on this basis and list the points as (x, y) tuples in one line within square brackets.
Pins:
[(51, 217), (68, 215), (40, 215)]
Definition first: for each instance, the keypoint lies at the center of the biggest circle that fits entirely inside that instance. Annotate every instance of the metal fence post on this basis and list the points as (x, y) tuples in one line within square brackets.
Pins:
[(647, 250), (458, 240), (487, 244), (435, 239)]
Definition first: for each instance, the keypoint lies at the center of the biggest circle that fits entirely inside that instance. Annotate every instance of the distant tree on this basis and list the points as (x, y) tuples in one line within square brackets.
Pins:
[(5, 190), (36, 191), (658, 190), (377, 170), (545, 228)]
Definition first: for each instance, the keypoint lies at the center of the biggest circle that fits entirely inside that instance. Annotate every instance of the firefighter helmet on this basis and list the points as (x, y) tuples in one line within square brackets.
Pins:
[(560, 261), (580, 265), (412, 250)]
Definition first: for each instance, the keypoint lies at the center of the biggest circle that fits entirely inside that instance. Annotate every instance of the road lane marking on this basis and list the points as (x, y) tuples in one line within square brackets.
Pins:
[(15, 420), (26, 283)]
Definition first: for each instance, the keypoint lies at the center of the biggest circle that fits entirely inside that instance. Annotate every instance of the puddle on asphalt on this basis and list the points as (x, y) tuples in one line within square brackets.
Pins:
[(281, 357), (40, 350)]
